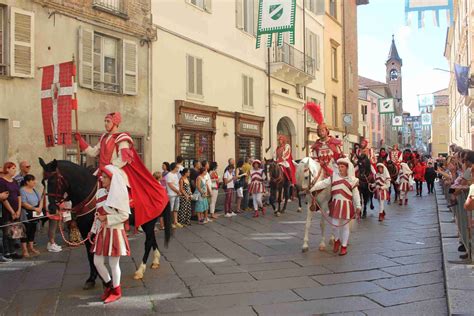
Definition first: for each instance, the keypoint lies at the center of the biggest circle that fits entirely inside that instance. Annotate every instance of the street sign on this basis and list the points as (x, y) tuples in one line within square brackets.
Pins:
[(276, 16), (425, 119), (397, 121), (386, 106), (347, 119)]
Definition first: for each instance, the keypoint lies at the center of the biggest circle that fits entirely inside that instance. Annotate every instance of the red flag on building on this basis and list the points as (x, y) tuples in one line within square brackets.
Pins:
[(57, 90)]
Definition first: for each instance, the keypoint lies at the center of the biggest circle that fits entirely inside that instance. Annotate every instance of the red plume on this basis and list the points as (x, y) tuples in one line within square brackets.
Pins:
[(315, 111)]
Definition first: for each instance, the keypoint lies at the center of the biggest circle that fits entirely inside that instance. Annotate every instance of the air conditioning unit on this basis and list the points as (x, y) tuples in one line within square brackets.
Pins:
[(299, 91)]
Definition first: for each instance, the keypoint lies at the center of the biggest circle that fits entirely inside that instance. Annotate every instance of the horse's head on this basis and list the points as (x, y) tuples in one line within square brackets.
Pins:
[(55, 184), (306, 173)]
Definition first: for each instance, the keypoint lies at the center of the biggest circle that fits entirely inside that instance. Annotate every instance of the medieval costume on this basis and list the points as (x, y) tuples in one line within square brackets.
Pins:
[(369, 152), (382, 187), (344, 205), (112, 210), (383, 156), (148, 197), (327, 149), (396, 156), (257, 187), (285, 159), (405, 182)]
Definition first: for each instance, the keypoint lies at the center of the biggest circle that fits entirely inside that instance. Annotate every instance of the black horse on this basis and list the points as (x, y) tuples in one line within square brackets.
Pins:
[(393, 170), (366, 178), (279, 187), (64, 177)]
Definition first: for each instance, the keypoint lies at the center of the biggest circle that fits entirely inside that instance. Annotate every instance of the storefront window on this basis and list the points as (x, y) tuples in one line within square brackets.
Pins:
[(195, 145), (249, 147)]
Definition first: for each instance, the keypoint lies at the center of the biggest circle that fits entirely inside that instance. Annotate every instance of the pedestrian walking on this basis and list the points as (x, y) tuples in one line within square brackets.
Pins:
[(257, 187), (184, 214), (31, 207), (405, 182), (382, 186), (172, 187), (419, 176), (214, 189), (430, 176), (201, 192), (113, 209)]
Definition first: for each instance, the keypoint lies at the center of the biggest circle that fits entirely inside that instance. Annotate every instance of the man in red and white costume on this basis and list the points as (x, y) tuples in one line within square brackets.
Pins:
[(396, 156), (285, 159), (369, 152), (405, 179), (256, 187), (382, 186), (112, 210), (345, 204), (327, 149), (148, 197)]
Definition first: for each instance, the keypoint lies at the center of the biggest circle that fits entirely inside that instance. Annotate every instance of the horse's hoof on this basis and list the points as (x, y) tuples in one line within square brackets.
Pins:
[(140, 272), (299, 210), (89, 285), (155, 265), (304, 249), (322, 247), (277, 214)]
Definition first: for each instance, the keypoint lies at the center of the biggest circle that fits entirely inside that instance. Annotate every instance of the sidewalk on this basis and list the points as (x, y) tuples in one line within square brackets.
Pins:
[(459, 277)]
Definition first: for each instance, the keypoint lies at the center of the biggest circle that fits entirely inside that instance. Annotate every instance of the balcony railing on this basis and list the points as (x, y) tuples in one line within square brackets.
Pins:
[(116, 7), (293, 57)]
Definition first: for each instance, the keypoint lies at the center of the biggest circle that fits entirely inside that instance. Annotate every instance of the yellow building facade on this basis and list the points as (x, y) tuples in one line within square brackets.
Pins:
[(440, 126)]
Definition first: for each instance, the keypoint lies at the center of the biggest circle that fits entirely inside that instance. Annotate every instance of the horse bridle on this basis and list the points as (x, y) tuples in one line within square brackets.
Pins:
[(315, 180), (61, 186)]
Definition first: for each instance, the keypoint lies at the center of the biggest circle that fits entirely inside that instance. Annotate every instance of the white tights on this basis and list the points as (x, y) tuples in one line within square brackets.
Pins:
[(341, 233), (381, 206), (99, 262), (257, 200), (403, 195)]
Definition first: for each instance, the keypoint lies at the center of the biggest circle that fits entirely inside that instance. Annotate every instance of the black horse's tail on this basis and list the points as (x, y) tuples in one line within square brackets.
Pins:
[(167, 222)]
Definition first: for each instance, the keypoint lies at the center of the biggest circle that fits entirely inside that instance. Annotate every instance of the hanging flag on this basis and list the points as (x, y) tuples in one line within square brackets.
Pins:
[(276, 16), (57, 90), (462, 78), (419, 7)]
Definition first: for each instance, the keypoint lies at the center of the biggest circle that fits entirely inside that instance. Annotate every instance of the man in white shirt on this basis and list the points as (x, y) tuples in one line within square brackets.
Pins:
[(172, 188), (229, 177)]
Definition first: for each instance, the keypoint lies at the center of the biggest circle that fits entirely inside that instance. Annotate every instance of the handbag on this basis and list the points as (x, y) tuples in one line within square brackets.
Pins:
[(196, 195), (16, 231)]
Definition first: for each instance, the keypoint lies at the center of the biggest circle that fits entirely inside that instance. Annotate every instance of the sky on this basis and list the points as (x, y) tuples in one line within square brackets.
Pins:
[(420, 49)]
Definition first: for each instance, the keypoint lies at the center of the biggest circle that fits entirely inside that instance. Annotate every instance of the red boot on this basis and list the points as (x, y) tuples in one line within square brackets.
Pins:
[(343, 251), (406, 201), (115, 295), (400, 202), (108, 289), (255, 214), (263, 211), (380, 217), (337, 244)]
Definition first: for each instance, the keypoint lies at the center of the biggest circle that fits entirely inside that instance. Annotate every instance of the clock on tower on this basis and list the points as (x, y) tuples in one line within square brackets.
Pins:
[(393, 75)]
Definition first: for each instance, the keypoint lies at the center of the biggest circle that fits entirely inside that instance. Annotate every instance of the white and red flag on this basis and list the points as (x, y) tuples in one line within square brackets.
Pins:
[(57, 90)]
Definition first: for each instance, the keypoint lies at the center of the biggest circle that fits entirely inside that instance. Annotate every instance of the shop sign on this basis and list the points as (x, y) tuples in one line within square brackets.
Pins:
[(250, 128), (196, 119)]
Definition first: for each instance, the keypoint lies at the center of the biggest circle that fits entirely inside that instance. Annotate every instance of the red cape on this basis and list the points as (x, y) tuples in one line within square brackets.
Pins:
[(149, 197)]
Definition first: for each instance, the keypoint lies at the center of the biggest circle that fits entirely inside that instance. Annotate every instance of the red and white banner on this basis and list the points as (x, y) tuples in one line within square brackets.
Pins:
[(57, 90)]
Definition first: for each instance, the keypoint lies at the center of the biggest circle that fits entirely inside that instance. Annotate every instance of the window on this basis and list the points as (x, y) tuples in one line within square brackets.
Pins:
[(309, 118), (249, 21), (312, 50), (92, 139), (334, 112), (107, 64), (247, 91), (333, 8), (246, 15), (249, 147), (18, 45), (113, 6), (194, 75), (201, 4), (334, 62)]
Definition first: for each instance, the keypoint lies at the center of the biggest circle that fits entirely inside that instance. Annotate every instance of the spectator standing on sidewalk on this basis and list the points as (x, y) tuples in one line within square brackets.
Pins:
[(202, 204), (246, 168), (214, 189), (25, 168), (3, 197), (32, 206), (184, 214), (165, 169), (229, 177), (239, 185), (11, 206), (172, 188), (207, 179)]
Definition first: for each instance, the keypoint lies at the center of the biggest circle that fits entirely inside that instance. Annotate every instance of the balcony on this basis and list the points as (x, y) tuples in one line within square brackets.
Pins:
[(288, 64), (115, 7)]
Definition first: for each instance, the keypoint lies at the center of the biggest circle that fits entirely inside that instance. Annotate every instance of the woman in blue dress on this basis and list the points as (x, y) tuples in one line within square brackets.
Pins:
[(202, 205)]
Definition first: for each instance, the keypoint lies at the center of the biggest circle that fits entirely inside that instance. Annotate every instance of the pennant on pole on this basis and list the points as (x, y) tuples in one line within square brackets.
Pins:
[(56, 103), (462, 79), (276, 16), (421, 6)]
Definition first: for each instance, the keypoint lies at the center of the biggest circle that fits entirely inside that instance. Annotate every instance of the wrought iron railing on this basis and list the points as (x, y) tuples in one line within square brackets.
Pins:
[(114, 6), (293, 57)]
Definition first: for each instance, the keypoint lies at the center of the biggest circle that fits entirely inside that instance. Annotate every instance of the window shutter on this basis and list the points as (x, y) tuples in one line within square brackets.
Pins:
[(208, 5), (255, 16), (130, 67), (86, 57), (190, 67), (199, 76), (245, 94), (251, 92), (239, 18), (320, 7), (22, 28)]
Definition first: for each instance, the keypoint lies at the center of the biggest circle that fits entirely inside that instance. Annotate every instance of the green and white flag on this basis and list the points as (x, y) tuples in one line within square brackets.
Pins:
[(276, 16)]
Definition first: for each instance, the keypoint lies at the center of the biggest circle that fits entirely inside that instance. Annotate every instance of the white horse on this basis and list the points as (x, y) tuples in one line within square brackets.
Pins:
[(308, 173)]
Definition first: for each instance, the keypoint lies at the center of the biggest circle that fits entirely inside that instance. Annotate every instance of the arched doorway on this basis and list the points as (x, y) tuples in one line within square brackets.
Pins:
[(287, 128)]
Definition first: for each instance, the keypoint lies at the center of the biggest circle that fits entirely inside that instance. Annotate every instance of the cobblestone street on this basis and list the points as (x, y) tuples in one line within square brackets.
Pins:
[(246, 266)]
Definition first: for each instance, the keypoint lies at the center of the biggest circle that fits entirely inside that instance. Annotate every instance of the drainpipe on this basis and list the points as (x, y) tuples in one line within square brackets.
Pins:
[(305, 136), (150, 101), (344, 96), (269, 103)]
